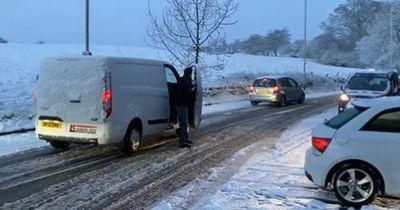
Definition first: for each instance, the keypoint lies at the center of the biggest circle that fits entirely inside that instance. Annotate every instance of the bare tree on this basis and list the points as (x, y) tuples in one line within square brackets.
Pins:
[(186, 27)]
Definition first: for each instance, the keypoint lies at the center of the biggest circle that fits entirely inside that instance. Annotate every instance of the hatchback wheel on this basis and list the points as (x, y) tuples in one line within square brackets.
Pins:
[(302, 99), (282, 101), (132, 141), (355, 185), (254, 103)]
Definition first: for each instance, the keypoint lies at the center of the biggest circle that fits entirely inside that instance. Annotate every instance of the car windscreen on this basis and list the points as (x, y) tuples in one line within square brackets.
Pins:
[(265, 83), (371, 82), (344, 117)]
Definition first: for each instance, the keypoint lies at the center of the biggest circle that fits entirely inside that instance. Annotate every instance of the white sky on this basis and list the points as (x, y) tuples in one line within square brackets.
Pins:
[(124, 22)]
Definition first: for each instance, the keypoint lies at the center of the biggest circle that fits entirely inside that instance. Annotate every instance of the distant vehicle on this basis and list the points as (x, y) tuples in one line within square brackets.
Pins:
[(280, 90), (107, 100), (357, 152), (373, 84)]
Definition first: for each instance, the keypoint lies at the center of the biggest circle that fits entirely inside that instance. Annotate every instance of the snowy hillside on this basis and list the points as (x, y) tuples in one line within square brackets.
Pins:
[(19, 64)]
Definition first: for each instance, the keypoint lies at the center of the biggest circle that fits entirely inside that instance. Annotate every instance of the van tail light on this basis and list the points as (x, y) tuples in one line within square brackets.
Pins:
[(277, 89), (320, 144), (106, 97)]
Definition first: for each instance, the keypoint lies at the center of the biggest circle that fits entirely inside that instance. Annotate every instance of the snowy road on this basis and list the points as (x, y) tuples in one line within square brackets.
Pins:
[(269, 179), (103, 177)]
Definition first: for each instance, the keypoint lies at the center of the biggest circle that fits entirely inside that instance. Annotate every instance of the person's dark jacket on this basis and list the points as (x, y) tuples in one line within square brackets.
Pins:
[(184, 91)]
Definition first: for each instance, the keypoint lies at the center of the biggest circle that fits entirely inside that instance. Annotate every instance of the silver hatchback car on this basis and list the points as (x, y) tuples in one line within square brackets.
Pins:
[(280, 90)]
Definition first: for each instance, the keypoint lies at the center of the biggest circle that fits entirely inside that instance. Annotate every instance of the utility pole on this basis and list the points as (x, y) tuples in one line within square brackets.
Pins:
[(305, 42), (391, 36), (87, 50)]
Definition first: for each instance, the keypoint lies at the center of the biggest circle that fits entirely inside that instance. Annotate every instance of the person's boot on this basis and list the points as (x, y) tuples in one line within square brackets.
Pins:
[(184, 146)]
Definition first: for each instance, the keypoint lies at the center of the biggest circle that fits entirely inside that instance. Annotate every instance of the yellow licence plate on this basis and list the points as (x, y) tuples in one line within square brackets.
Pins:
[(51, 124), (263, 91)]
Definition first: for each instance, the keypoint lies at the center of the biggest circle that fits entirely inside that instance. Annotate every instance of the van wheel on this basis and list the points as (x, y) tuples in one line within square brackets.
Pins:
[(132, 141), (355, 185), (282, 101), (59, 144), (254, 103)]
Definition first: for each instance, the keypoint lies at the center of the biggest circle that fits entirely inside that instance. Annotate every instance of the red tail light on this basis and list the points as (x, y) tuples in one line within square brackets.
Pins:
[(320, 144), (106, 97), (277, 89)]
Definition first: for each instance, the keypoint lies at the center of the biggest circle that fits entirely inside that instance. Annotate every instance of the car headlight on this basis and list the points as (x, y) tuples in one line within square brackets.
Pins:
[(344, 97)]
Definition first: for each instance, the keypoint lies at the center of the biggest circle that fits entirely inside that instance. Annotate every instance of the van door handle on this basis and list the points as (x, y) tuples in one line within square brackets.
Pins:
[(75, 101)]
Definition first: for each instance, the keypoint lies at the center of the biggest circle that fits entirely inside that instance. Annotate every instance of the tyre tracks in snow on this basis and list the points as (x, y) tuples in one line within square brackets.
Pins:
[(109, 179)]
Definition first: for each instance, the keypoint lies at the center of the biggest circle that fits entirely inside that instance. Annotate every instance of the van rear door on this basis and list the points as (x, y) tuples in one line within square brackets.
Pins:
[(196, 111), (71, 90)]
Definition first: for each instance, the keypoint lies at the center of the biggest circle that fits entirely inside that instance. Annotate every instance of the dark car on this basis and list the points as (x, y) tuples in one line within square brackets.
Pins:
[(372, 84), (280, 90)]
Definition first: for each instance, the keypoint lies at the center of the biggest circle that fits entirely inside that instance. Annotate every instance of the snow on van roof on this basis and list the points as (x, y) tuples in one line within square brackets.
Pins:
[(108, 59)]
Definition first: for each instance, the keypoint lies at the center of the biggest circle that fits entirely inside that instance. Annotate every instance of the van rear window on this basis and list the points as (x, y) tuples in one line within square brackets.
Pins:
[(265, 83), (344, 117)]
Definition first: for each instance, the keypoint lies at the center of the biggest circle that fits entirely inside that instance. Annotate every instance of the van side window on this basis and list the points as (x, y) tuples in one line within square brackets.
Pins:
[(388, 121), (170, 76)]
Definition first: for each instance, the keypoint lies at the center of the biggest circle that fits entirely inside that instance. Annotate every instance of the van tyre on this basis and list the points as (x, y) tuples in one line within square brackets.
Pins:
[(355, 184), (132, 141), (59, 144), (282, 102), (254, 103)]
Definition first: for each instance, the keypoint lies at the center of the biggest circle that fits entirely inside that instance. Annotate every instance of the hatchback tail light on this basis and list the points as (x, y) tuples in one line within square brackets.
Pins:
[(320, 144), (277, 89), (106, 97), (250, 89)]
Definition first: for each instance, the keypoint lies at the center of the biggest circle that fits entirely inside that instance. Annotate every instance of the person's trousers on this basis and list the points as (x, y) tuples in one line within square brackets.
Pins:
[(183, 115)]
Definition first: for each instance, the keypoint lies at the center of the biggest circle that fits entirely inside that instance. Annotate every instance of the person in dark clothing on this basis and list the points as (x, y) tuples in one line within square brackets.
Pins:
[(184, 93)]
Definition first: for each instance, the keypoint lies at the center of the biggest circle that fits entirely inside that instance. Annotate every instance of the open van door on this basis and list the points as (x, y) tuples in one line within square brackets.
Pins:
[(195, 111)]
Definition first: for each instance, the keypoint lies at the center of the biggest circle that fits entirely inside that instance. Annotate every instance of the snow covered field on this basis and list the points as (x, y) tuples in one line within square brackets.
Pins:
[(268, 180), (19, 64)]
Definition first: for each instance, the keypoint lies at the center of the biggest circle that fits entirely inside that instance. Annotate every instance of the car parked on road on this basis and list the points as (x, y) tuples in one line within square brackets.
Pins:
[(279, 90), (372, 84), (107, 100), (356, 153)]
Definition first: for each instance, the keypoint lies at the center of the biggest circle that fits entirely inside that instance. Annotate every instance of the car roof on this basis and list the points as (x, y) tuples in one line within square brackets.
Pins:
[(384, 102), (273, 77), (374, 71)]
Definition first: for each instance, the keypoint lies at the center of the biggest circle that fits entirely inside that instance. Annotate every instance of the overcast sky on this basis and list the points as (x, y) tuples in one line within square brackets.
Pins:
[(124, 22)]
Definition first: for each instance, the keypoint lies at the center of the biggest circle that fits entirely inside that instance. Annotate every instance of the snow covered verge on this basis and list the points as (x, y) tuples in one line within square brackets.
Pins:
[(19, 64), (270, 179)]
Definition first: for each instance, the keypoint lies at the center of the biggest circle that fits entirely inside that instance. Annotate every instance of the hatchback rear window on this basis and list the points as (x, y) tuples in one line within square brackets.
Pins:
[(344, 117), (265, 83)]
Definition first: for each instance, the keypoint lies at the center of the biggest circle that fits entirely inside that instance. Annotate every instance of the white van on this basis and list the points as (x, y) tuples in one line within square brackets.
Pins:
[(107, 100)]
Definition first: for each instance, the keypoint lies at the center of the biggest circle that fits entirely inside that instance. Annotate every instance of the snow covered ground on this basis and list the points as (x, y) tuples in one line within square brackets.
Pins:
[(16, 143), (270, 179)]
